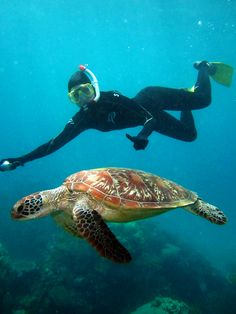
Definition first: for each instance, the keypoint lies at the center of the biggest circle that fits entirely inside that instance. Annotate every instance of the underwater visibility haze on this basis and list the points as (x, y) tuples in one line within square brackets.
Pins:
[(181, 263)]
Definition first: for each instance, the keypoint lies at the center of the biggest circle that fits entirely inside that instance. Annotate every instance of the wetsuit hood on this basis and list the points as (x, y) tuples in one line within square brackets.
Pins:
[(78, 78)]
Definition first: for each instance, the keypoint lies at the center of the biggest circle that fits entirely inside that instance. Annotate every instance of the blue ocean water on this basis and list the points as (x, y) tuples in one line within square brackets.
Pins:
[(129, 45)]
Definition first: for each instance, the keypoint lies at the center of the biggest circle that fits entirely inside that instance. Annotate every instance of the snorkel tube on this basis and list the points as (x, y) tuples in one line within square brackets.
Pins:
[(93, 80)]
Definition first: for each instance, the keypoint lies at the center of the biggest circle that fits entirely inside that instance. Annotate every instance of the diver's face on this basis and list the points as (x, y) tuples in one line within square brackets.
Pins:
[(82, 94)]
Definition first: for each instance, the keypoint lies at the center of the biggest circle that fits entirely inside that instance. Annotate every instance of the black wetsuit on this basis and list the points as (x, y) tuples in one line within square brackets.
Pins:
[(114, 111)]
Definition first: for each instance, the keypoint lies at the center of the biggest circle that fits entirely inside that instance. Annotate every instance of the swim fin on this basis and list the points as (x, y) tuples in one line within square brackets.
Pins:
[(223, 73)]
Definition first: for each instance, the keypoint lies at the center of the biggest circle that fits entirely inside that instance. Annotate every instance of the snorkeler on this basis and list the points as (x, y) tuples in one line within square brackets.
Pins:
[(108, 111)]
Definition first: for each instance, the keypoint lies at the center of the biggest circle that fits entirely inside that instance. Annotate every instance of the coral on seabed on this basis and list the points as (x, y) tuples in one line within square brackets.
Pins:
[(163, 305), (169, 250), (19, 312), (70, 277)]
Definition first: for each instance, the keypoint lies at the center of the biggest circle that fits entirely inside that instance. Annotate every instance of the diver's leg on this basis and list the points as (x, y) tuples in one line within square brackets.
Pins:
[(202, 86), (183, 129), (162, 98)]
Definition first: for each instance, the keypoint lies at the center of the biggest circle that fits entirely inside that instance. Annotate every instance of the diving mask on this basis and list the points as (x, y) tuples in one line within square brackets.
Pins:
[(82, 94)]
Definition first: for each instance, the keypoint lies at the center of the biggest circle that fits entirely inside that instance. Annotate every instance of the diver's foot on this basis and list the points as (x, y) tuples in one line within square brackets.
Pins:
[(211, 69)]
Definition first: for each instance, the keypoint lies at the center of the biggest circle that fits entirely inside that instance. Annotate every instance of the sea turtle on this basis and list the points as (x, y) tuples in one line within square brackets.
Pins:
[(87, 199)]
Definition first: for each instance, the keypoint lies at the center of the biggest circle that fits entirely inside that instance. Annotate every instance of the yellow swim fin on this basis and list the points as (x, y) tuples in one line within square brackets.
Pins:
[(223, 73)]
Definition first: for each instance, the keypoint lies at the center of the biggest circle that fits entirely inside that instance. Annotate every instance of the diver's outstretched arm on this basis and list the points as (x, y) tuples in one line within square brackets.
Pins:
[(71, 130)]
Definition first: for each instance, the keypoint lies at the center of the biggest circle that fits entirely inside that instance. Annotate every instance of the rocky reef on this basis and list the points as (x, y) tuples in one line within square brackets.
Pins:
[(165, 276), (163, 305)]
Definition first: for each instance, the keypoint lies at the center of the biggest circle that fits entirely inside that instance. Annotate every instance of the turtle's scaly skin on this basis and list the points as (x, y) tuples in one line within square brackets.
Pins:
[(89, 198)]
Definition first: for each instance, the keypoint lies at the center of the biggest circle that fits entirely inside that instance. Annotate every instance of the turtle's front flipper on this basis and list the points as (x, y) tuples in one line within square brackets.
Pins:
[(208, 211), (92, 228), (66, 222)]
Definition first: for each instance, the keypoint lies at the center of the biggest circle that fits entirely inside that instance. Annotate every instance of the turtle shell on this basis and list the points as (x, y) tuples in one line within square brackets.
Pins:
[(127, 188)]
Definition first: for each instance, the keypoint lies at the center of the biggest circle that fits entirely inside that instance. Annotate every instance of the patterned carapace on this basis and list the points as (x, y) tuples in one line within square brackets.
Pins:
[(129, 188)]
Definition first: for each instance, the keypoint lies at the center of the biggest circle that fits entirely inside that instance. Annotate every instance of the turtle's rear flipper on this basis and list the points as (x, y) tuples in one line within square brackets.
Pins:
[(92, 228), (208, 211)]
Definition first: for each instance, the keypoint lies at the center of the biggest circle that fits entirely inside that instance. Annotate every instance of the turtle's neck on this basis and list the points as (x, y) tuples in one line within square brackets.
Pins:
[(56, 197)]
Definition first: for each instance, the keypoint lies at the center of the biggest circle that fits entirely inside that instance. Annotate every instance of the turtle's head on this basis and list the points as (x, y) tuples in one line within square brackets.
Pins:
[(32, 206)]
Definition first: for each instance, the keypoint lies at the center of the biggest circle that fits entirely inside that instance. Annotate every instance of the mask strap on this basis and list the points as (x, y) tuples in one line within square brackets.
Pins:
[(93, 80)]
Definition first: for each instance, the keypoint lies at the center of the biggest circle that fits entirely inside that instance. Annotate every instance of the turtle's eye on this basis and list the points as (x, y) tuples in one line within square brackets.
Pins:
[(19, 211), (23, 209), (20, 208), (27, 207)]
